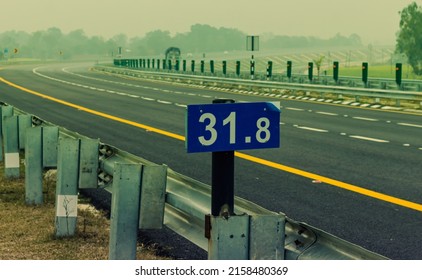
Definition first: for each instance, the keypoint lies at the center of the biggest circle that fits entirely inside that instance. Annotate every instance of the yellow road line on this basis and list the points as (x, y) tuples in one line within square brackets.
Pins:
[(97, 113), (333, 182)]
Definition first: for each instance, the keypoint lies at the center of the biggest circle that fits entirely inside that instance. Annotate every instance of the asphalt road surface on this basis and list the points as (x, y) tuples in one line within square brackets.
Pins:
[(351, 171)]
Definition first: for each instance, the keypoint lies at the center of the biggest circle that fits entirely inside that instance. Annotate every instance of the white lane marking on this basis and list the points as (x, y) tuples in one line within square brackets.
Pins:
[(326, 113), (163, 102), (181, 105), (410, 124), (365, 119), (294, 109), (369, 139), (311, 128), (35, 71)]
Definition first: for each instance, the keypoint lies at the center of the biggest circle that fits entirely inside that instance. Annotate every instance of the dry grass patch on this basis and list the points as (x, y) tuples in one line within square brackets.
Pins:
[(28, 232)]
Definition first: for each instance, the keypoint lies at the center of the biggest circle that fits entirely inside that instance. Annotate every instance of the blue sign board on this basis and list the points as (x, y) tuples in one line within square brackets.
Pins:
[(232, 126)]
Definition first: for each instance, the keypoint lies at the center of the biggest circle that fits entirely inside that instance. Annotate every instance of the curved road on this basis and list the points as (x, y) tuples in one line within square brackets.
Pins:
[(353, 172)]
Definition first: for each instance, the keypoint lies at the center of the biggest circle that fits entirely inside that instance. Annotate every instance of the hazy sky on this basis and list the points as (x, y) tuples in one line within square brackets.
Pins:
[(376, 21)]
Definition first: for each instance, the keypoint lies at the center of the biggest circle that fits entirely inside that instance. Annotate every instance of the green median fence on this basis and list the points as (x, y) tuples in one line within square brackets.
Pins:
[(212, 66), (269, 69), (192, 66), (307, 78)]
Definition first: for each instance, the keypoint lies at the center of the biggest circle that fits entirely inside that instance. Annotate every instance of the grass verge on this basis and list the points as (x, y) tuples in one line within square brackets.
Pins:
[(28, 232)]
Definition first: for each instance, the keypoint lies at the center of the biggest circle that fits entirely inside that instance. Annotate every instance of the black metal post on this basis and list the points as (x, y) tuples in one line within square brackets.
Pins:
[(222, 185)]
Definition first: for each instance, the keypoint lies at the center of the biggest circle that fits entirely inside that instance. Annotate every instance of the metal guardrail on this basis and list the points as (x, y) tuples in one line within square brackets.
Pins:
[(187, 201), (278, 88)]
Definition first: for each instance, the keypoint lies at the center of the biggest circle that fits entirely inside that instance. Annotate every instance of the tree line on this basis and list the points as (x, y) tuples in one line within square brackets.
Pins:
[(201, 38)]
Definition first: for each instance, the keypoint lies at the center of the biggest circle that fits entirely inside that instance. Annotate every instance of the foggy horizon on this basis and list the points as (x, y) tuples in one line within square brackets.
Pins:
[(373, 23)]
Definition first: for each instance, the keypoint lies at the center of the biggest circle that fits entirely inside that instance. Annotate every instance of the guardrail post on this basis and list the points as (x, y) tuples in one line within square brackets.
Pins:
[(24, 122), (245, 237), (153, 191), (11, 147), (88, 163), (267, 235), (40, 151), (50, 138), (228, 238), (67, 186), (5, 111), (125, 211), (33, 166)]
